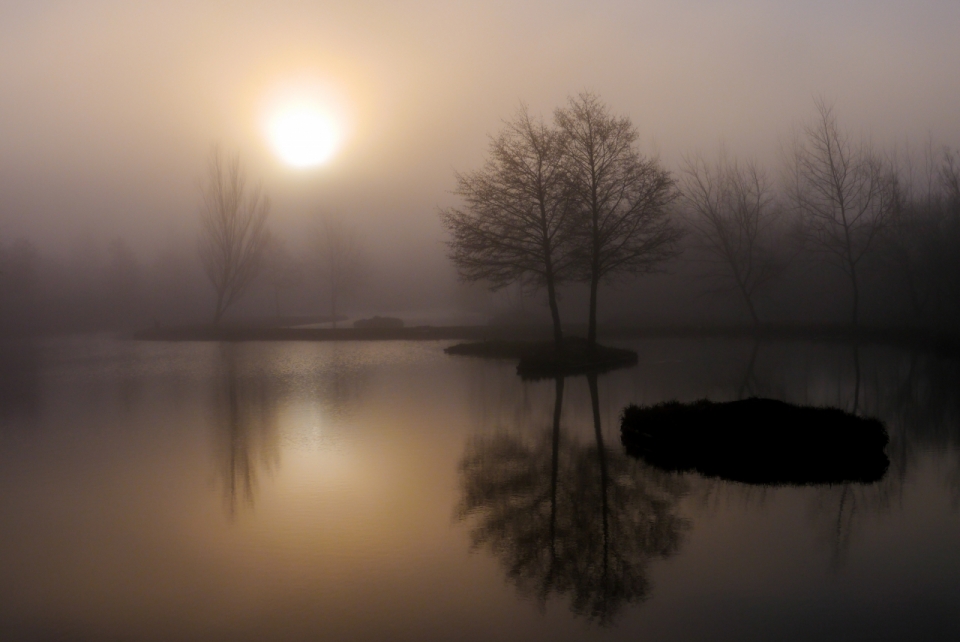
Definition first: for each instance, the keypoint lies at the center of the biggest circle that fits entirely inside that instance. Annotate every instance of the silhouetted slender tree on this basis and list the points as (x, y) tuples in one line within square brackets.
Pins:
[(621, 198), (843, 191), (731, 207), (515, 225), (233, 230)]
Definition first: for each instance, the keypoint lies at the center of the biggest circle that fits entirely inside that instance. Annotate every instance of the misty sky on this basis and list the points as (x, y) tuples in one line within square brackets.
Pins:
[(108, 109)]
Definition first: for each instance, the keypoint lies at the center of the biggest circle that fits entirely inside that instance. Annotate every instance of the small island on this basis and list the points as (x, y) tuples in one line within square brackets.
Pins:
[(757, 441), (542, 359)]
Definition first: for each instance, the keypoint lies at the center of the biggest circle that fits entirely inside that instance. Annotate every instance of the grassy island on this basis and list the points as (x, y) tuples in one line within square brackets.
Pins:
[(541, 359), (757, 441)]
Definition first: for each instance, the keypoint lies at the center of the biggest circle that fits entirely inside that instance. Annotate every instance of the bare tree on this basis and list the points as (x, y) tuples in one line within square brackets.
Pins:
[(341, 259), (620, 197), (515, 226), (732, 211), (843, 191), (949, 175), (233, 232), (909, 243)]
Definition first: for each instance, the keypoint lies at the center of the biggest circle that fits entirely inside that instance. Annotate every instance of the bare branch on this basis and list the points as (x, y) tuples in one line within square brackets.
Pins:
[(233, 232)]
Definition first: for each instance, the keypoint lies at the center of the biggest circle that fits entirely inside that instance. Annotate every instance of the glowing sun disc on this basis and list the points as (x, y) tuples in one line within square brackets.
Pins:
[(303, 136)]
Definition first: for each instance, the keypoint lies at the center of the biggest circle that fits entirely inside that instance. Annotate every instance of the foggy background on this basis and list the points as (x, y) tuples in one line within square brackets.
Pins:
[(108, 112)]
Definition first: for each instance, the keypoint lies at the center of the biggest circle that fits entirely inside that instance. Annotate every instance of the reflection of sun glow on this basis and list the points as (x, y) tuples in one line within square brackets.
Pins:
[(304, 124)]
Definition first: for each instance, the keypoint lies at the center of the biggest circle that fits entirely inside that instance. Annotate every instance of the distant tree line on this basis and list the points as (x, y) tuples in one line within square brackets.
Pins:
[(562, 204), (575, 201), (234, 267)]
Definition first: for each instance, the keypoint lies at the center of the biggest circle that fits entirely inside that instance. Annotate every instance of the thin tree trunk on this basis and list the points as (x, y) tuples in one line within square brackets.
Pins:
[(554, 313), (218, 312), (750, 366), (856, 297), (554, 472), (753, 311), (602, 456), (592, 328), (856, 370)]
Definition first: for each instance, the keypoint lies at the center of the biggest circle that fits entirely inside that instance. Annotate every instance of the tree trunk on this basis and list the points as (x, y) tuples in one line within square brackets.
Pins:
[(554, 313), (856, 298), (218, 312), (856, 369), (554, 472), (592, 328), (602, 455), (750, 366), (753, 311)]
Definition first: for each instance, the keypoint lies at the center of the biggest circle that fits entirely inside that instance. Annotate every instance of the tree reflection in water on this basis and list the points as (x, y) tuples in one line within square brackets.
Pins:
[(251, 393), (570, 519), (915, 394), (246, 430)]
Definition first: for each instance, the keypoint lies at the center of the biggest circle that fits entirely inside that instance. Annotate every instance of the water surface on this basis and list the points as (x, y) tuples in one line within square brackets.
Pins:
[(386, 491)]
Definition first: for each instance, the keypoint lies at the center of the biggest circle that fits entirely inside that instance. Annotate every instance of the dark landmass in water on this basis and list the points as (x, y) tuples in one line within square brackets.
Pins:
[(541, 359), (944, 342), (757, 441)]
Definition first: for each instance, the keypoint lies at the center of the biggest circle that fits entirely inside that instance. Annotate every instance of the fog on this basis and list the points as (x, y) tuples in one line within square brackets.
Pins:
[(108, 112)]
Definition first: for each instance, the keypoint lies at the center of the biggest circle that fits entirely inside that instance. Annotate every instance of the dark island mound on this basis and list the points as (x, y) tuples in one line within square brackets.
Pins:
[(541, 359), (757, 441)]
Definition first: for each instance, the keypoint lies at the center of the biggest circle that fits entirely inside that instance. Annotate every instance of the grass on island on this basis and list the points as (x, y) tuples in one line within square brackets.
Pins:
[(757, 441), (541, 359)]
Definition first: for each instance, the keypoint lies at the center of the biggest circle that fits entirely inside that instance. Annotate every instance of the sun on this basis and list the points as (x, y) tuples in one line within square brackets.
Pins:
[(306, 119), (303, 134)]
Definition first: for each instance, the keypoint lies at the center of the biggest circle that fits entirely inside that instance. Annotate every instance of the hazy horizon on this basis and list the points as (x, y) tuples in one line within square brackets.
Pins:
[(108, 110)]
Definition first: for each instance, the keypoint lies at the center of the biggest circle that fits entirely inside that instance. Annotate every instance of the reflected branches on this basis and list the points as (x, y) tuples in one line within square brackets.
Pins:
[(257, 405), (247, 431), (570, 519)]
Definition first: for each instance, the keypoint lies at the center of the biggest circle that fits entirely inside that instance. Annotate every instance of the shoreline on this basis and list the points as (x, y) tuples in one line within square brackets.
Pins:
[(918, 338)]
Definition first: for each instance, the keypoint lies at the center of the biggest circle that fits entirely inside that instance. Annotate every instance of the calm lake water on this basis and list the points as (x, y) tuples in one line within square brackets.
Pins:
[(386, 491)]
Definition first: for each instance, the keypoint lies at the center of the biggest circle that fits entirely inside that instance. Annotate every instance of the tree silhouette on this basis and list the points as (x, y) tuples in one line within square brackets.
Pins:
[(620, 197), (233, 232), (246, 428), (515, 225), (731, 209), (844, 193), (570, 519)]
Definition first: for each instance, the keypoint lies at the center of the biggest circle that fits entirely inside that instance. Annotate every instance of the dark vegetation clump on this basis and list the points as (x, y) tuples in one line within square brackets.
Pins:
[(541, 359), (378, 322), (757, 441), (491, 349), (577, 356)]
